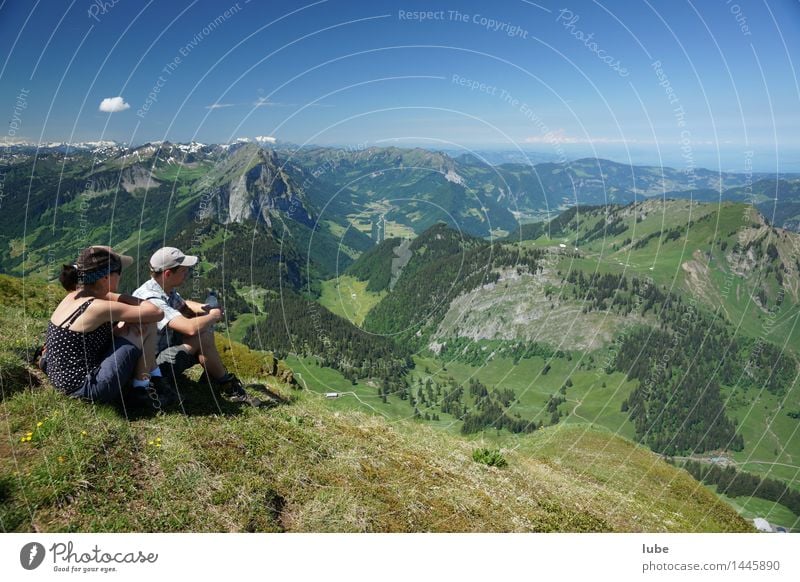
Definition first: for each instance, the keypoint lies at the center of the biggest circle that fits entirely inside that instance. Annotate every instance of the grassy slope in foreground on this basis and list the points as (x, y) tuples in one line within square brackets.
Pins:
[(304, 467)]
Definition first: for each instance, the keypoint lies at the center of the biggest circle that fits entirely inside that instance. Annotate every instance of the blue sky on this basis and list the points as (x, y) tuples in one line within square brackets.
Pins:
[(567, 78)]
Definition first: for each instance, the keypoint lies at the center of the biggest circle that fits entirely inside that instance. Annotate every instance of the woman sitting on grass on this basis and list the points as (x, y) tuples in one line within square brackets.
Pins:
[(86, 354)]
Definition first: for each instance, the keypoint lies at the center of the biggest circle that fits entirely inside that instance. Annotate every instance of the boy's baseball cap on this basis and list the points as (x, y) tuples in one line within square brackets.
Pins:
[(171, 258)]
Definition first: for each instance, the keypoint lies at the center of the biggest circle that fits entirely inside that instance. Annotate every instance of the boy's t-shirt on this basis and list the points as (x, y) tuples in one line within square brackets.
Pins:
[(171, 304)]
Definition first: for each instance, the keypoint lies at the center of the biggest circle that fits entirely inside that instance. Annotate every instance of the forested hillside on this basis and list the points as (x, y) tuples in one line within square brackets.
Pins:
[(444, 264)]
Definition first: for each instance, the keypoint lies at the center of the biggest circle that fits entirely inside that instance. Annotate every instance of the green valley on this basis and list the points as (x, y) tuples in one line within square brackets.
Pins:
[(666, 327)]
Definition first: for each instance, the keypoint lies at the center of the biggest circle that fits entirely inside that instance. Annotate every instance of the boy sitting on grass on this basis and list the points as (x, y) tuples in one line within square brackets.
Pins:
[(186, 331)]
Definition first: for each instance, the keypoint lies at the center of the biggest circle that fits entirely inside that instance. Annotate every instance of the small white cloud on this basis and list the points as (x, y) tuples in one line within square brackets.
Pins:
[(219, 105), (264, 102), (265, 139), (113, 105)]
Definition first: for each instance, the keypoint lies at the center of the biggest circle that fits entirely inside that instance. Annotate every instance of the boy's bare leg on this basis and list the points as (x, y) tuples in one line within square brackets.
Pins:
[(205, 348)]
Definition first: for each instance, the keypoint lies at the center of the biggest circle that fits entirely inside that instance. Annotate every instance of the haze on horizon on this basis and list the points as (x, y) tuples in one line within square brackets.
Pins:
[(684, 85)]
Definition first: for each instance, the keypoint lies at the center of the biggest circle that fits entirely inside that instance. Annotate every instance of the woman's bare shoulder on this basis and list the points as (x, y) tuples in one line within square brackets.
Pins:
[(94, 315), (62, 311)]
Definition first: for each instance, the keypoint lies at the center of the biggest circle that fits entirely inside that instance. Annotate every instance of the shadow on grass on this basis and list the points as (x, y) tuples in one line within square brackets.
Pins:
[(200, 399), (16, 375)]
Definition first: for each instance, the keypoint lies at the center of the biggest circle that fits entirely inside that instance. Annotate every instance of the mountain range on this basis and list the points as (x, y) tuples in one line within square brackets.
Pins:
[(490, 301)]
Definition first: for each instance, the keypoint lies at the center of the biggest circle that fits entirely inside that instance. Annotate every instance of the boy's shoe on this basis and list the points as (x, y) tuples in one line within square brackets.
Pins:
[(231, 388)]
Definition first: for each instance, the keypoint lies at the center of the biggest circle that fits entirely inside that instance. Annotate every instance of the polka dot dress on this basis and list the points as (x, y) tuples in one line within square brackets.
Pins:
[(72, 355)]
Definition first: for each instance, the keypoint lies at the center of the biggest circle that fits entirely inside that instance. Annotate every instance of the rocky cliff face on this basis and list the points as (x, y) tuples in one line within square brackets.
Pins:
[(257, 188)]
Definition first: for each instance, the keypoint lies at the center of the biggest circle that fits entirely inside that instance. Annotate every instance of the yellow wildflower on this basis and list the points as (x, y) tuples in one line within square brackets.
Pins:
[(38, 424), (60, 459)]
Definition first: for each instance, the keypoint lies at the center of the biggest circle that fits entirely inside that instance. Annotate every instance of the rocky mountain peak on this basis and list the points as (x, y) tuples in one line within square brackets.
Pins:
[(254, 186)]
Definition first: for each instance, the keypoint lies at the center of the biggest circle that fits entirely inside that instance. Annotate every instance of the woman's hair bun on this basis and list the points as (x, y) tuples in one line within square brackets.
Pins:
[(69, 277)]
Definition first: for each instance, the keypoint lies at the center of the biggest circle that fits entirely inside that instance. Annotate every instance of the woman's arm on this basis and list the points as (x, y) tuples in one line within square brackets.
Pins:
[(142, 312), (123, 298)]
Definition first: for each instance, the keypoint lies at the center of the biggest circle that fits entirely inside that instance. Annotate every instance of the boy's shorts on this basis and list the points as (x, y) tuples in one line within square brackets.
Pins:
[(171, 355)]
